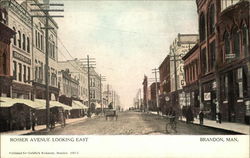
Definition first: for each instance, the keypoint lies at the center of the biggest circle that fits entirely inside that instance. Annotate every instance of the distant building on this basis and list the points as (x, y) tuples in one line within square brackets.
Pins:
[(164, 70), (68, 86), (181, 45), (152, 96), (145, 93), (77, 72), (5, 54)]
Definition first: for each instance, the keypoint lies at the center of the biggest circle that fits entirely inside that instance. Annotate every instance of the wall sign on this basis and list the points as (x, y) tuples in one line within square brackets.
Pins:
[(21, 58), (207, 96)]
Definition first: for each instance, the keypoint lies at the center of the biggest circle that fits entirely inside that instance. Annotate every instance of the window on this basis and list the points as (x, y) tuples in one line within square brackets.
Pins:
[(36, 39), (28, 73), (19, 39), (212, 55), (14, 38), (28, 44), (226, 43), (239, 83), (211, 19), (204, 60), (24, 42), (202, 27), (3, 62), (24, 73), (245, 40), (236, 42), (20, 72), (14, 70), (226, 87)]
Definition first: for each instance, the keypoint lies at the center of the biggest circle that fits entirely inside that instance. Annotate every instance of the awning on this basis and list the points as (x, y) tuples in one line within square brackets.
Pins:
[(52, 104), (78, 105), (8, 102)]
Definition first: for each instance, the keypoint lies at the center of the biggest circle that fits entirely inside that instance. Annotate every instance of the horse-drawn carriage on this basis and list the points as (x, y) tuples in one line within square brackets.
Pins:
[(111, 113)]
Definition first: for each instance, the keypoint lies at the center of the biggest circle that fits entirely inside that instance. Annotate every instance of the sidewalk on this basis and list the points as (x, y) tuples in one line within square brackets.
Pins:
[(230, 126), (41, 127)]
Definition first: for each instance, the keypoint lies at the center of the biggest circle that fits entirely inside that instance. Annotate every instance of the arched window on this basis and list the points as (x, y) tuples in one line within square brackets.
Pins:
[(19, 39), (211, 19), (245, 40), (28, 44), (202, 27), (14, 38), (236, 42), (24, 42)]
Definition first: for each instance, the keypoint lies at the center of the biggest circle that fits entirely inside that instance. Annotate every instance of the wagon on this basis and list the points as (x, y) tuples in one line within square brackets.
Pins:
[(111, 113)]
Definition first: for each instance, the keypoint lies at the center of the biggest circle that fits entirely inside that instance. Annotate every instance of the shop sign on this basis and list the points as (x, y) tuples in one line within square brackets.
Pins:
[(207, 96), (21, 58), (230, 56)]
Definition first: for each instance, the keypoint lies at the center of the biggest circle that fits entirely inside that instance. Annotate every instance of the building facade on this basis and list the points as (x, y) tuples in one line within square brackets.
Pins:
[(145, 93), (39, 50), (79, 73), (192, 74), (152, 104), (224, 56), (180, 46), (5, 54), (19, 20), (233, 61), (95, 87), (68, 85)]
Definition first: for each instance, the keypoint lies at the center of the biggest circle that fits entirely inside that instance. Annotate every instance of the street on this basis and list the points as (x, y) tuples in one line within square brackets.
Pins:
[(130, 123)]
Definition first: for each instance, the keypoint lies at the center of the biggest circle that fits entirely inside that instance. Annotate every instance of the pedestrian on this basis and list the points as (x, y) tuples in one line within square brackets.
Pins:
[(219, 117), (201, 117), (52, 120), (33, 121)]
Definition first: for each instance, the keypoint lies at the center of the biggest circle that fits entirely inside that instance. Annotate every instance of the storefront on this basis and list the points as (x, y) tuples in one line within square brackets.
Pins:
[(234, 94)]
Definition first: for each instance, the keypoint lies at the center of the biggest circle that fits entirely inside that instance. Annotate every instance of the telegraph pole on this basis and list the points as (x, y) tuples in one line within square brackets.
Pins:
[(102, 78), (89, 63), (45, 8), (156, 89)]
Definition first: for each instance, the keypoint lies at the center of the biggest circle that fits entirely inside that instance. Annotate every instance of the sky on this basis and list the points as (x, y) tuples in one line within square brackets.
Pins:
[(128, 38)]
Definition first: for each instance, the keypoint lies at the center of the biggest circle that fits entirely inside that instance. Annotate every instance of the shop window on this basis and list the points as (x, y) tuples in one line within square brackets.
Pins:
[(226, 87), (239, 83), (212, 55), (202, 27), (236, 42), (14, 38), (20, 72), (14, 70), (19, 39), (24, 42), (245, 40), (211, 19)]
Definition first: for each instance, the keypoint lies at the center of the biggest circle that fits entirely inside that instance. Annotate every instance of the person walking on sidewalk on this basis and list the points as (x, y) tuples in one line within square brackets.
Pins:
[(219, 117), (33, 121), (201, 117)]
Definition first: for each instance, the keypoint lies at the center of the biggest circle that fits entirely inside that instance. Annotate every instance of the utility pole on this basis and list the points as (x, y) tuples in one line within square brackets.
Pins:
[(102, 78), (45, 8), (89, 63), (156, 89)]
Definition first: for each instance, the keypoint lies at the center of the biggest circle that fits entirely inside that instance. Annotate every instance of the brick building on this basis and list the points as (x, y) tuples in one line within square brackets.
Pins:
[(5, 52), (145, 93), (152, 96), (192, 74), (233, 61), (224, 56)]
